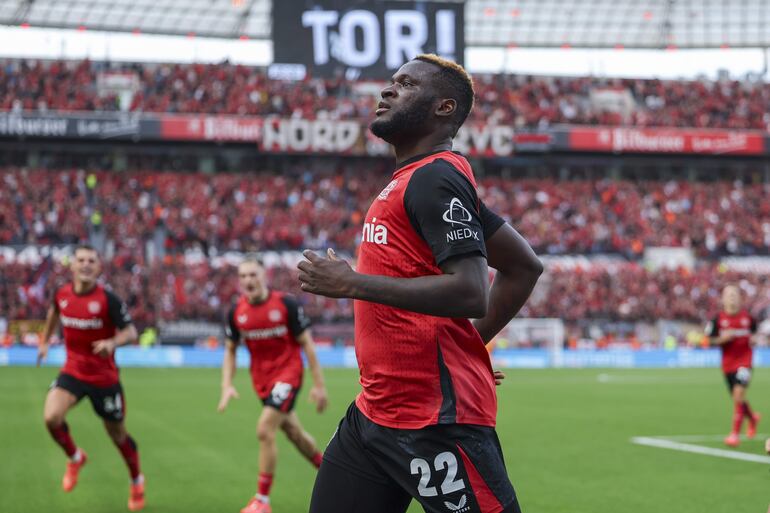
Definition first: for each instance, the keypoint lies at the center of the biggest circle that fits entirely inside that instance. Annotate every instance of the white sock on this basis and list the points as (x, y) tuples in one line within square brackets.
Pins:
[(77, 456), (263, 498), (139, 479)]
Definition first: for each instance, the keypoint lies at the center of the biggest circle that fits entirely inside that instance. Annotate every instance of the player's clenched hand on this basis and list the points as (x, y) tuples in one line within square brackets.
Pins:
[(227, 394), (499, 377), (104, 348), (318, 396), (330, 276), (767, 445), (42, 353)]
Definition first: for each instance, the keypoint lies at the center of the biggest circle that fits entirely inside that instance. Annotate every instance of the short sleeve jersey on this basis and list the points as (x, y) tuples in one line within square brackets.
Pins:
[(269, 330), (418, 370), (86, 318), (736, 353)]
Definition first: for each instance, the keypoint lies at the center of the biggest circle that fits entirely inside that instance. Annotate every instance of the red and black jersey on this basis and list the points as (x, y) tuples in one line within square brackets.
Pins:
[(269, 330), (736, 353), (86, 318), (419, 370)]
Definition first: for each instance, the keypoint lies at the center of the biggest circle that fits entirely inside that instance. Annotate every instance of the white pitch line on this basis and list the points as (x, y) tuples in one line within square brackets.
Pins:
[(698, 449), (759, 437)]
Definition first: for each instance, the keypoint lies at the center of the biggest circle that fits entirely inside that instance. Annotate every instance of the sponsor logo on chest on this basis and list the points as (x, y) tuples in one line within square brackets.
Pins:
[(375, 232), (95, 323), (274, 315)]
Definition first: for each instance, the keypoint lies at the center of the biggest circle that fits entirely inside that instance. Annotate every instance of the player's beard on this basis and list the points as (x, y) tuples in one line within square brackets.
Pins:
[(405, 123)]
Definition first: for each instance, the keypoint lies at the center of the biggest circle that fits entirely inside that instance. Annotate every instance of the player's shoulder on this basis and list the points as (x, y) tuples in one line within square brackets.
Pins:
[(63, 289)]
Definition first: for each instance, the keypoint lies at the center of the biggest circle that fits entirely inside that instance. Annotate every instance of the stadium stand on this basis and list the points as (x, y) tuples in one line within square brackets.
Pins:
[(521, 101), (294, 211)]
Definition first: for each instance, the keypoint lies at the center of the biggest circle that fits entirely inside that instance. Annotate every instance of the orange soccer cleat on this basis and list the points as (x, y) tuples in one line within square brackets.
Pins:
[(751, 429), (136, 495), (70, 478), (257, 506), (733, 440)]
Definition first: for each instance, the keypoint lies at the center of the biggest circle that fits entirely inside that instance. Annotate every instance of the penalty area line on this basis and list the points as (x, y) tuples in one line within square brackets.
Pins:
[(699, 449)]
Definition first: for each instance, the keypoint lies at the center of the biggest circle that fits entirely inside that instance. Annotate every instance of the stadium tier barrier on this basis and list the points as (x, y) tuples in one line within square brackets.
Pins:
[(177, 356)]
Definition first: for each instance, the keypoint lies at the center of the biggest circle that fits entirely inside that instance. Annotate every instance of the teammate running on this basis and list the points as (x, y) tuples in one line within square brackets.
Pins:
[(732, 330), (423, 425), (95, 322), (274, 329)]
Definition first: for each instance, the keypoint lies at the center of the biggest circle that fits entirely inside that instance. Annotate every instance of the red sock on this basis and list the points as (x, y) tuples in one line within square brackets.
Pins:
[(62, 437), (737, 418), (317, 458), (264, 483), (130, 453), (747, 411)]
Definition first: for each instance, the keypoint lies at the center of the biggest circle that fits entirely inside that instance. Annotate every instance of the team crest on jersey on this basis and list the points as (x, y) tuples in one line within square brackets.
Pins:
[(274, 315), (243, 318), (384, 194), (724, 323), (94, 307), (63, 304)]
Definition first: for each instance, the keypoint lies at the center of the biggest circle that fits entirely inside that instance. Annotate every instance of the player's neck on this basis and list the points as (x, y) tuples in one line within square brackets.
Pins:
[(410, 149), (732, 311), (258, 298), (83, 287)]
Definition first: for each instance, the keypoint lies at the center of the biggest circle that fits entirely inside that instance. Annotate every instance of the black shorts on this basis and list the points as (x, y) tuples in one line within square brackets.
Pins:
[(450, 468), (108, 402), (282, 396), (740, 377)]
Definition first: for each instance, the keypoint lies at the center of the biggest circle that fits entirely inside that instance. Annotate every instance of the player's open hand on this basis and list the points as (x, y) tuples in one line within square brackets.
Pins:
[(319, 398), (42, 353), (330, 276), (104, 348), (499, 377), (227, 394)]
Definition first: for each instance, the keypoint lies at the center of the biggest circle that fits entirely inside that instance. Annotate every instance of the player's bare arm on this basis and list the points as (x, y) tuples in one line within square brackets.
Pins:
[(51, 323), (460, 292), (318, 393), (106, 347), (518, 270), (228, 371)]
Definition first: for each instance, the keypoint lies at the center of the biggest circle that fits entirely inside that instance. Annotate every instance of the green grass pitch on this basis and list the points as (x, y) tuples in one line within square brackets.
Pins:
[(565, 434)]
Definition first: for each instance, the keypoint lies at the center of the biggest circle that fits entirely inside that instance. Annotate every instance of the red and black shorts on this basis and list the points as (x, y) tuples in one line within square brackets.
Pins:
[(742, 377), (449, 468), (282, 396), (108, 402)]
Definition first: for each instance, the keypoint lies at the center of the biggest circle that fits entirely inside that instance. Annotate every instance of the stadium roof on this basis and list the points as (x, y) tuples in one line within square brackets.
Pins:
[(521, 23)]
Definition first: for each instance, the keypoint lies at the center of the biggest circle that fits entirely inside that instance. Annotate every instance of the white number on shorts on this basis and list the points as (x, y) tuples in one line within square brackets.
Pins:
[(420, 466), (445, 460), (111, 404), (743, 374), (449, 461)]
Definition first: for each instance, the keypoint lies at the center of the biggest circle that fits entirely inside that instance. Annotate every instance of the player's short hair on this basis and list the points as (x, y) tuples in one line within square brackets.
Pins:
[(254, 258), (85, 247), (454, 82)]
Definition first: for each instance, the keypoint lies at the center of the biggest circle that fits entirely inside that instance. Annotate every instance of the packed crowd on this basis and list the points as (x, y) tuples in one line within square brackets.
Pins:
[(172, 290), (523, 101), (300, 209)]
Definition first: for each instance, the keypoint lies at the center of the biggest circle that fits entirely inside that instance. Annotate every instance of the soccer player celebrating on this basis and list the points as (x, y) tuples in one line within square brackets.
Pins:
[(95, 322), (274, 329), (423, 425), (732, 330)]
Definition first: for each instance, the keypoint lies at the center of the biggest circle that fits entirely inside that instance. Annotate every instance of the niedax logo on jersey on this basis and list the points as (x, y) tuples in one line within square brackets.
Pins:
[(457, 215), (384, 194), (376, 233)]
